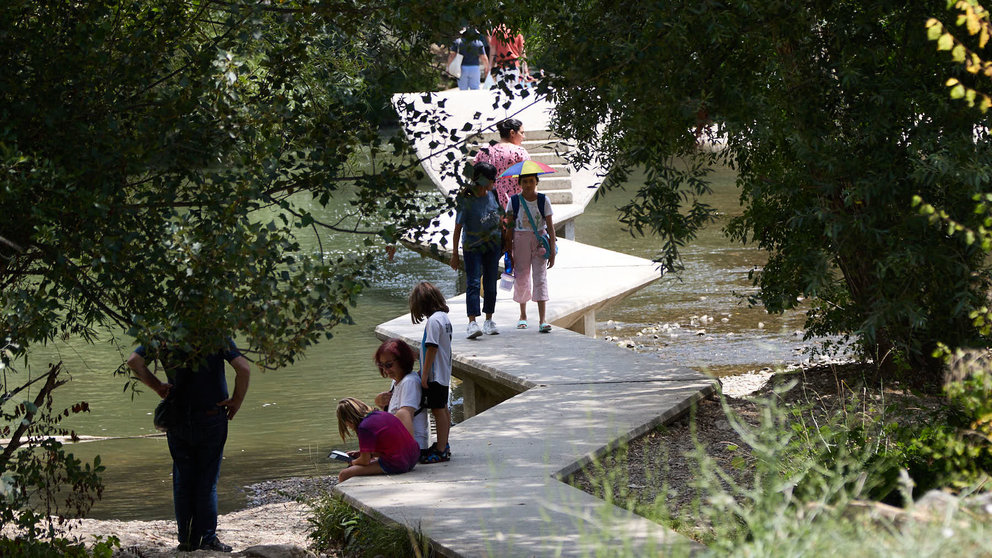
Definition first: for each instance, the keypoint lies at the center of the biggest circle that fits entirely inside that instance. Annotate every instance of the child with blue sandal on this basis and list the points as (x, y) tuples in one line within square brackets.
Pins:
[(533, 248), (427, 303)]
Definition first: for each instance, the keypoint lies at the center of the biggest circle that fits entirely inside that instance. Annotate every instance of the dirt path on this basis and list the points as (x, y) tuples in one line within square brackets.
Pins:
[(283, 523)]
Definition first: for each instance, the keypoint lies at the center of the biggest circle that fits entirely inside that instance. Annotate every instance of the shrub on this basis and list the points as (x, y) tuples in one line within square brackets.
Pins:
[(957, 452), (336, 525), (59, 547), (41, 483), (815, 478)]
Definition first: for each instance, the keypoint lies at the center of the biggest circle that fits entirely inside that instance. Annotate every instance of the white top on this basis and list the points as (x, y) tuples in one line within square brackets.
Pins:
[(522, 223), (437, 331), (407, 393)]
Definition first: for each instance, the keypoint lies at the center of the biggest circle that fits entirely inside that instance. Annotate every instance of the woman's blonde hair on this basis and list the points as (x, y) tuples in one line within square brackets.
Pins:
[(351, 411)]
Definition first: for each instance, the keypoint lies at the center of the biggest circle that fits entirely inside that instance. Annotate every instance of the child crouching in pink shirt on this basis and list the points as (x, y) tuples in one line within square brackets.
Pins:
[(385, 446)]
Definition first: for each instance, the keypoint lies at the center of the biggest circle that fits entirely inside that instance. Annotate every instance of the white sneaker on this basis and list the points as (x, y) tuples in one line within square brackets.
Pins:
[(489, 328), (473, 330)]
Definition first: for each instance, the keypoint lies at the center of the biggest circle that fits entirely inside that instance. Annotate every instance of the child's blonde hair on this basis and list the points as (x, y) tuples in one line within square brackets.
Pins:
[(351, 411), (425, 299)]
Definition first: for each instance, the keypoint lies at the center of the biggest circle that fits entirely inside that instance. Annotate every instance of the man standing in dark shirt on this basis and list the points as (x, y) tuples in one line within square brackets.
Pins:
[(197, 389)]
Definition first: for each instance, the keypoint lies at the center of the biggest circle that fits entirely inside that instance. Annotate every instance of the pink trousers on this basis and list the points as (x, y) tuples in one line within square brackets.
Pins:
[(527, 263)]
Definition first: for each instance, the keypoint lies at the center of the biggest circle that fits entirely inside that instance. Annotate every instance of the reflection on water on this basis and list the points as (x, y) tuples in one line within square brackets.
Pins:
[(287, 425)]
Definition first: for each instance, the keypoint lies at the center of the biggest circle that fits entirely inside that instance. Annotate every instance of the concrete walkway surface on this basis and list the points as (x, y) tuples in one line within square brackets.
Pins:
[(539, 406), (501, 494)]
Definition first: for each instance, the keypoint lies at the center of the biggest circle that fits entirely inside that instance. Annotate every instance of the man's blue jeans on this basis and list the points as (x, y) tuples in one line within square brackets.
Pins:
[(482, 265), (197, 448), (470, 78)]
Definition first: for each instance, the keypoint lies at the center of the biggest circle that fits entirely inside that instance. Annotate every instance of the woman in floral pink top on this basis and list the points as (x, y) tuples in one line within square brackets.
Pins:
[(505, 153)]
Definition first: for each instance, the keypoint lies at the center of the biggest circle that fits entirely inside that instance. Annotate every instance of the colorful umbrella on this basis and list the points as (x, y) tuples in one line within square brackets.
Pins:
[(527, 167)]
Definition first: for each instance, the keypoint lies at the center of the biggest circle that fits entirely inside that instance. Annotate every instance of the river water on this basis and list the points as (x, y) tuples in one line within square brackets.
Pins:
[(286, 425)]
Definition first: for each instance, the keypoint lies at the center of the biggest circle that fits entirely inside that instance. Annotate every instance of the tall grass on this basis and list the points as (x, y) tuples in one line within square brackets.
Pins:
[(339, 528), (813, 486)]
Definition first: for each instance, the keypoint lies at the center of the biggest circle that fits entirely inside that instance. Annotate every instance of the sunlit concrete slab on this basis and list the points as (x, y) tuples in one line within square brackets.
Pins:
[(550, 431), (442, 139), (500, 495), (584, 279), (522, 517), (566, 357)]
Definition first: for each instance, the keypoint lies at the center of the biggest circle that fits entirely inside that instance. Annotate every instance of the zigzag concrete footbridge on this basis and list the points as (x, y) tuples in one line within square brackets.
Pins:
[(539, 407)]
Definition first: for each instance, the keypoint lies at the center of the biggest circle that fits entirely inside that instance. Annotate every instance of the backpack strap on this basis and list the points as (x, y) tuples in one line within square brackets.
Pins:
[(530, 218), (541, 201)]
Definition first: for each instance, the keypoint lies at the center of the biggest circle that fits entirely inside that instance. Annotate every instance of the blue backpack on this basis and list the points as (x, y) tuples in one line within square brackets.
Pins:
[(541, 238), (515, 201)]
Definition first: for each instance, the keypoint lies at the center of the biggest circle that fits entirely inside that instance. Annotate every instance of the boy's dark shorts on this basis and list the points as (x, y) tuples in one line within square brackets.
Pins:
[(436, 395)]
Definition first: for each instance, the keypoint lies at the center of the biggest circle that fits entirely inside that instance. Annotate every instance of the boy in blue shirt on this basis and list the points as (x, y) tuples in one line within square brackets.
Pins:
[(477, 226)]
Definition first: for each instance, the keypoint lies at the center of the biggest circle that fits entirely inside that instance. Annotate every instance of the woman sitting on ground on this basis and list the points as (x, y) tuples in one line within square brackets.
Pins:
[(384, 444), (394, 358)]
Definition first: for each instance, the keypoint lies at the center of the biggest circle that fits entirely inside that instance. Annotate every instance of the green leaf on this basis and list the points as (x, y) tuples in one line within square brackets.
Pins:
[(945, 42), (958, 53)]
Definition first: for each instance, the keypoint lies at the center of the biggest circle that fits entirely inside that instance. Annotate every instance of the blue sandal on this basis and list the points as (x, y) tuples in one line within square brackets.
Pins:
[(434, 456), (521, 324), (545, 328)]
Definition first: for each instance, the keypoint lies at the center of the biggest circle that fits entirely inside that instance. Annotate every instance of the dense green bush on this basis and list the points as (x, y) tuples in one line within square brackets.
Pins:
[(834, 115), (957, 452), (61, 548)]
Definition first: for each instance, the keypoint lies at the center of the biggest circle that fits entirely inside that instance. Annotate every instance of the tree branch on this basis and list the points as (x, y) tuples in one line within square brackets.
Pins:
[(15, 440)]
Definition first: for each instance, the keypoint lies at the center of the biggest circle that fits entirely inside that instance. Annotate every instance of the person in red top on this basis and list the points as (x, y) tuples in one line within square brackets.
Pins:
[(507, 50), (385, 446)]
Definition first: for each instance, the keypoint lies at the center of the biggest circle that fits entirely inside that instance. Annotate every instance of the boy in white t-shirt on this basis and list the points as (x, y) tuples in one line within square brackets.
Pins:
[(427, 302)]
